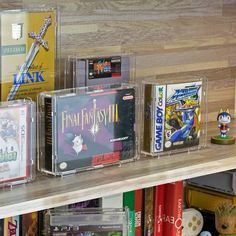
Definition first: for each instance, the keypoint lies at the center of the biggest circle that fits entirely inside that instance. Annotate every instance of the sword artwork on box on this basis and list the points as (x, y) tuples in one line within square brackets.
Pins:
[(28, 45)]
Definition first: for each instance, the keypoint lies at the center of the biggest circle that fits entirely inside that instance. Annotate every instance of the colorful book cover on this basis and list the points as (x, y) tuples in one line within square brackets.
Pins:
[(148, 209), (28, 53), (12, 226), (159, 209), (172, 217), (138, 208), (29, 224), (128, 201)]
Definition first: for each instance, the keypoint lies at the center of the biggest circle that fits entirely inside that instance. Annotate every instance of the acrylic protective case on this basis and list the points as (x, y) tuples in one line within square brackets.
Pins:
[(81, 71), (86, 128), (18, 142), (174, 114), (93, 221), (29, 52)]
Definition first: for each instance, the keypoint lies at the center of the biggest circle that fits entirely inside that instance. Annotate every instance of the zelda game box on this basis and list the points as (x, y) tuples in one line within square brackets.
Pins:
[(83, 128), (28, 52)]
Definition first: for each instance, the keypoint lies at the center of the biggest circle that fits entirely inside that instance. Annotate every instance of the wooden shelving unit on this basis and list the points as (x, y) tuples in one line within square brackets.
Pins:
[(47, 192)]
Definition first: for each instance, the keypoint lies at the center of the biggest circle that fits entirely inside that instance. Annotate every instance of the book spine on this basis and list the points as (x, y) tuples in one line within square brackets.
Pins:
[(159, 209), (172, 217), (30, 224), (12, 226), (148, 228), (128, 201), (138, 208)]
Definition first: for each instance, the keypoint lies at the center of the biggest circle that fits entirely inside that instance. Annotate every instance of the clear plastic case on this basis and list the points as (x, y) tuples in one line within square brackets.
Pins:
[(86, 128), (100, 222), (29, 52), (99, 69), (175, 114), (18, 142)]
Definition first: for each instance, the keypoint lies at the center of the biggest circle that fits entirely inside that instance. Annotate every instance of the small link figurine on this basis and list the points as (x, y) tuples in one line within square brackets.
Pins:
[(223, 118)]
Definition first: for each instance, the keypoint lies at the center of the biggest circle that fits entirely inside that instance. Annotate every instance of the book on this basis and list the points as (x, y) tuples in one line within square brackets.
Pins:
[(159, 209), (29, 224), (148, 212), (12, 226), (172, 217), (128, 201), (138, 208)]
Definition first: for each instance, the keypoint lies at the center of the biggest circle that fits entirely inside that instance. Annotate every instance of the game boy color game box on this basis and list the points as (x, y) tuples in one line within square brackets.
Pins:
[(86, 128), (172, 115), (28, 52)]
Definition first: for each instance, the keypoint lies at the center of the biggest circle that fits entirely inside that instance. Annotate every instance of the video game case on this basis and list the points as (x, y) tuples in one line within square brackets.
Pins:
[(100, 222), (174, 115), (112, 69), (28, 58), (86, 128), (18, 142)]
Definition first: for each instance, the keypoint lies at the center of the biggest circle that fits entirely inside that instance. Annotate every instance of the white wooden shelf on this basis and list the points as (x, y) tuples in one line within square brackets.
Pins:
[(47, 192)]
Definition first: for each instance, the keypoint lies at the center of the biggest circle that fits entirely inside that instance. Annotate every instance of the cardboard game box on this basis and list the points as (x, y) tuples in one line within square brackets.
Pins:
[(28, 52)]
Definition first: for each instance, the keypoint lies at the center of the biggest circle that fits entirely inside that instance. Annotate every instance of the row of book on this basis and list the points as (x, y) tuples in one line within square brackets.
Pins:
[(154, 211)]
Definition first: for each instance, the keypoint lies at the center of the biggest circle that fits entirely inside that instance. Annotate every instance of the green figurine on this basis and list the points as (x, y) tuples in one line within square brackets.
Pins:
[(224, 119)]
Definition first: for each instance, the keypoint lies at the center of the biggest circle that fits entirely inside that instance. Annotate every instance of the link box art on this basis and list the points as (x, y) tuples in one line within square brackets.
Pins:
[(28, 52), (87, 129), (17, 141), (172, 115)]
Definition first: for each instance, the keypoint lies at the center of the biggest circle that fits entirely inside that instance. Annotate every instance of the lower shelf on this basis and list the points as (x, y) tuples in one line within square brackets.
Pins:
[(47, 192)]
